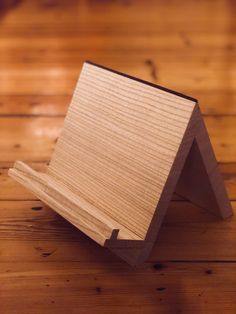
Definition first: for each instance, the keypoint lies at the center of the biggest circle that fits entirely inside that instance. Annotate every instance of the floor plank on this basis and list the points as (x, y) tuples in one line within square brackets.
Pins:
[(31, 79), (34, 139), (30, 231), (112, 288), (217, 104), (96, 16)]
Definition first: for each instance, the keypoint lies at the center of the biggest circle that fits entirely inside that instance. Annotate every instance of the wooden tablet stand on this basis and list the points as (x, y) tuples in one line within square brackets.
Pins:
[(126, 147)]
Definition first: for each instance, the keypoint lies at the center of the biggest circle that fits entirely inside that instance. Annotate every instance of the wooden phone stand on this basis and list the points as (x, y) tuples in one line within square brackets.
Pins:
[(127, 145)]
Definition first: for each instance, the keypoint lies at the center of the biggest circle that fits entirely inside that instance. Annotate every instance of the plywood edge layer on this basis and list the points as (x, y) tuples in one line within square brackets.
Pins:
[(134, 78), (79, 212)]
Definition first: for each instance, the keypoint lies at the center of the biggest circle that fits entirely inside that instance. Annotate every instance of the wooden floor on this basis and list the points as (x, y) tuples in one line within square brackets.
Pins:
[(46, 265)]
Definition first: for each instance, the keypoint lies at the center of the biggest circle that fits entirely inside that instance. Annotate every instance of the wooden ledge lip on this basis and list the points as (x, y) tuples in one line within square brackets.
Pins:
[(79, 212)]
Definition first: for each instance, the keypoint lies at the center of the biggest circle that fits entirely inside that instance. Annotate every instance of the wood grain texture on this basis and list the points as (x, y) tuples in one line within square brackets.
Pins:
[(217, 104), (117, 159), (114, 288), (77, 210), (125, 146), (33, 232), (11, 190), (111, 163), (47, 265), (43, 132)]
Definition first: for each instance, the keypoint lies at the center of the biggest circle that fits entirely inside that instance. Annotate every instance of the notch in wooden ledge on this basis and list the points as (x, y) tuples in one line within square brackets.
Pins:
[(126, 146)]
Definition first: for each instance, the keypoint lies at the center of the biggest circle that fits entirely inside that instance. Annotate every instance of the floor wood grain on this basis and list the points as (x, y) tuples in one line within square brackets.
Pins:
[(47, 265)]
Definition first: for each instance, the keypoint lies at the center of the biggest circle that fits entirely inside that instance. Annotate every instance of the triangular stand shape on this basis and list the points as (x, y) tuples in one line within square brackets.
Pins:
[(127, 145)]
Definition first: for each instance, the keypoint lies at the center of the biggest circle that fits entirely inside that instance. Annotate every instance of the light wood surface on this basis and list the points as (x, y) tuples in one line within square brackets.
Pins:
[(125, 147), (118, 144), (84, 215), (47, 266), (110, 166)]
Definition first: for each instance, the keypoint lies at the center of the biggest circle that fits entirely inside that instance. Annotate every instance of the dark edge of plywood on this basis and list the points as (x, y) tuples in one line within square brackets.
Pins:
[(144, 82)]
